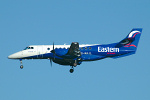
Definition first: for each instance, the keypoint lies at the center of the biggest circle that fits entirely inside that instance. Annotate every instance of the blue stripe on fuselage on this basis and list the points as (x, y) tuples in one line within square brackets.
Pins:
[(90, 53)]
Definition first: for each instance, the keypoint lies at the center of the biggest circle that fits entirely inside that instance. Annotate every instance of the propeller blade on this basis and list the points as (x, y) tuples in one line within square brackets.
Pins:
[(53, 45), (51, 62), (53, 51)]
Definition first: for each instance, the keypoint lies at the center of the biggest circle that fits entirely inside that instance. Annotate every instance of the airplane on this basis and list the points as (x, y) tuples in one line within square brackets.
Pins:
[(75, 54)]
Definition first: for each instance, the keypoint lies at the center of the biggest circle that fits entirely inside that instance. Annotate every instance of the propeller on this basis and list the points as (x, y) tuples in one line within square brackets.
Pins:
[(52, 51)]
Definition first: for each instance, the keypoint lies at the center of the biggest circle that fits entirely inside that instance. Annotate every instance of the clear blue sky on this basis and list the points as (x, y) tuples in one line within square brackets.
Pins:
[(34, 22)]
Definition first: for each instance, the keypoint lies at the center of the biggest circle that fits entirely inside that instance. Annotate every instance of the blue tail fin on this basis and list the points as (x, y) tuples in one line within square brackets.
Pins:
[(132, 39)]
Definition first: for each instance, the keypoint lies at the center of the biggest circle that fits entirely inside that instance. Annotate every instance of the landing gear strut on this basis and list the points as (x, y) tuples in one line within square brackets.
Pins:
[(21, 65), (72, 67)]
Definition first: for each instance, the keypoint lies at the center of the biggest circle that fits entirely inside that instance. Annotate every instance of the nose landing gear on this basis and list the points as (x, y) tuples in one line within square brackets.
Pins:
[(21, 65)]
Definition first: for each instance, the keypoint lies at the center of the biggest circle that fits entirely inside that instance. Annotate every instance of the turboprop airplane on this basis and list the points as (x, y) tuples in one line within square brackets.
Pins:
[(75, 54)]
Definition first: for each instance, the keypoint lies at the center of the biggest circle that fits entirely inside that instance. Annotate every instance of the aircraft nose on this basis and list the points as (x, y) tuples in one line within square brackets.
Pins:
[(15, 55), (11, 56)]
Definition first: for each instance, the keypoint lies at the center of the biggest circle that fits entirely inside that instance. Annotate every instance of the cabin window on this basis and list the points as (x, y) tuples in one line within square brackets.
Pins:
[(81, 48), (32, 48), (48, 48), (90, 48), (85, 48)]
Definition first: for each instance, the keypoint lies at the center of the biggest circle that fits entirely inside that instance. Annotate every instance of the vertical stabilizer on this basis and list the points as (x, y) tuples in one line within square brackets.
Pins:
[(132, 39)]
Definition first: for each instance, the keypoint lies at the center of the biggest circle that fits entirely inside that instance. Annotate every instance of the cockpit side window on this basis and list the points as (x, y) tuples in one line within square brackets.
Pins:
[(32, 47)]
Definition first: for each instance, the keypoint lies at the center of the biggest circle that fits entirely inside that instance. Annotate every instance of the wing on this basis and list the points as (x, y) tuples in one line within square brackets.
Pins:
[(72, 53), (71, 56)]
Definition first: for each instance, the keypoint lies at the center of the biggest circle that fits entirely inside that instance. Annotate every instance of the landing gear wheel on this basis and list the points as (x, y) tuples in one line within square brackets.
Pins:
[(71, 70), (21, 67)]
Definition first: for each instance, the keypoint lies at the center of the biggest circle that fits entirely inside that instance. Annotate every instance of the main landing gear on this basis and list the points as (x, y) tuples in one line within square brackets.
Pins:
[(72, 67), (21, 65)]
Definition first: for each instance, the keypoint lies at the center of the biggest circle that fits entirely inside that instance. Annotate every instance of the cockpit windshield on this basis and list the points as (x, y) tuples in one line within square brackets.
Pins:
[(29, 48), (26, 48)]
